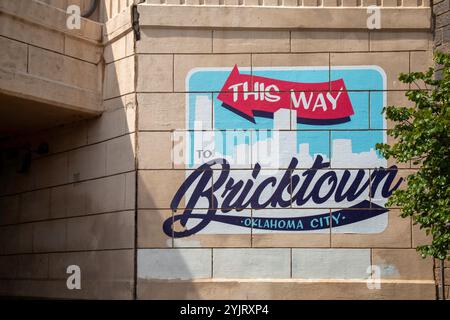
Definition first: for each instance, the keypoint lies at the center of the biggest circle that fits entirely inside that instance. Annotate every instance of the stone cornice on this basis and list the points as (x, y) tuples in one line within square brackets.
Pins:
[(280, 17)]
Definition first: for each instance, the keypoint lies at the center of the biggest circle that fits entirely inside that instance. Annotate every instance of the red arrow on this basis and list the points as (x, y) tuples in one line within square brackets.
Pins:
[(315, 103)]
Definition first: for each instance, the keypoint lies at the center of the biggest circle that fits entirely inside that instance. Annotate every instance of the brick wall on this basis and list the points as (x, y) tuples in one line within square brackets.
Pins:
[(437, 275), (43, 59), (106, 10), (248, 264), (295, 3), (101, 196), (76, 204), (441, 11)]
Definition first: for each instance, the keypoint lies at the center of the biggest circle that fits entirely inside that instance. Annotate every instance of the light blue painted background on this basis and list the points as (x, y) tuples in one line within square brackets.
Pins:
[(205, 82)]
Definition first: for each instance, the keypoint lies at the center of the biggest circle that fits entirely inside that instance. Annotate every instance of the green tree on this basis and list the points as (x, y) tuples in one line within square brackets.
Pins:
[(422, 136)]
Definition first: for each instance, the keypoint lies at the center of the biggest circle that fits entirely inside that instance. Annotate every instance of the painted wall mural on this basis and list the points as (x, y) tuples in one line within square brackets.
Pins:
[(283, 137)]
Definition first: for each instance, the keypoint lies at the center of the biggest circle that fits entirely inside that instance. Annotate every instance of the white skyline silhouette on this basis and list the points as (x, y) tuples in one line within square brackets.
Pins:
[(275, 151)]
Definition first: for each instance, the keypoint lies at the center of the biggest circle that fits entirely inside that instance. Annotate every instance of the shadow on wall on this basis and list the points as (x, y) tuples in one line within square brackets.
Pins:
[(76, 205), (165, 270), (73, 205)]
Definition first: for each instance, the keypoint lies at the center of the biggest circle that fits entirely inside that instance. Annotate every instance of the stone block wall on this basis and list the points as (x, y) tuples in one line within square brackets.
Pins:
[(225, 262), (294, 3), (41, 59), (76, 204), (101, 197), (106, 10), (441, 12)]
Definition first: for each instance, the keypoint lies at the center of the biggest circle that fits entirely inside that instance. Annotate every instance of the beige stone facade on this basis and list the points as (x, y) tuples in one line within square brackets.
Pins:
[(98, 199)]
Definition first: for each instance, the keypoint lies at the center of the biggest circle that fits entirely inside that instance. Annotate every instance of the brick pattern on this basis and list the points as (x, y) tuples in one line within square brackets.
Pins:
[(441, 12), (109, 9), (280, 263), (437, 276), (291, 289), (294, 3), (76, 204), (106, 274), (252, 256), (37, 55), (105, 11)]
